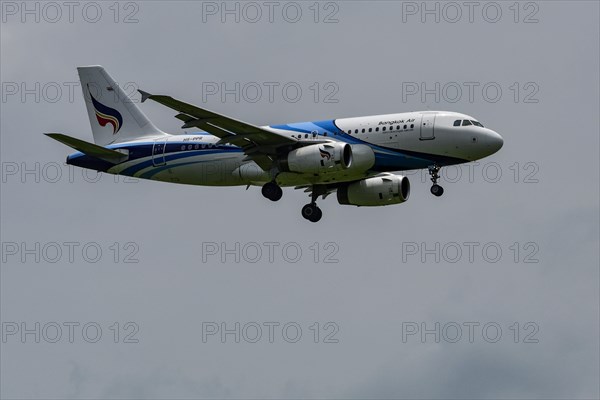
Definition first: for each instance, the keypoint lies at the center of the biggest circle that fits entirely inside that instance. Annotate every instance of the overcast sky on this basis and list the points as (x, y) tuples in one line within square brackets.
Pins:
[(512, 244)]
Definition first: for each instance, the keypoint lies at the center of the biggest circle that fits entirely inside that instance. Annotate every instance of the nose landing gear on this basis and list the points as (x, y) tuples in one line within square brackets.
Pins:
[(436, 189)]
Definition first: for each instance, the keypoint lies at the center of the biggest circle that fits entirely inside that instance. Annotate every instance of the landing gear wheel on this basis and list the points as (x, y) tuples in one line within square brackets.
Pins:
[(272, 191), (317, 217), (311, 212), (437, 190)]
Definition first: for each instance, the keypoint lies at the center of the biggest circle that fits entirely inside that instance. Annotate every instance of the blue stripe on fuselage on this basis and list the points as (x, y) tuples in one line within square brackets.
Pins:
[(138, 151), (386, 158), (132, 170)]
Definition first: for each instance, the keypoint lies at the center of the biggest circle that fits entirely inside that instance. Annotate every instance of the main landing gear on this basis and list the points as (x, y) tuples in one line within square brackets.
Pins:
[(311, 211), (436, 189), (272, 191)]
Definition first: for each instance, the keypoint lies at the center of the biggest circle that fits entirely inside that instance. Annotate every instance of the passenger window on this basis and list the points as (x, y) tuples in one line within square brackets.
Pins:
[(412, 126), (370, 129), (383, 129), (377, 129), (457, 122), (356, 131), (398, 128), (404, 126), (466, 122), (363, 131)]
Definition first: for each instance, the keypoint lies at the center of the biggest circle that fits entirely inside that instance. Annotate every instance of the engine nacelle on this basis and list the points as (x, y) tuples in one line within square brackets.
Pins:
[(380, 190), (319, 158)]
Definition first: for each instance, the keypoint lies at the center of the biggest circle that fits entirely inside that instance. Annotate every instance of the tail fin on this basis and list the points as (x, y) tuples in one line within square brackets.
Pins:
[(113, 115)]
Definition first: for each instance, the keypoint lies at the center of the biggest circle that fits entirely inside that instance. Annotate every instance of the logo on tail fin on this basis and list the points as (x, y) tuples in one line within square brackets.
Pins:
[(106, 115)]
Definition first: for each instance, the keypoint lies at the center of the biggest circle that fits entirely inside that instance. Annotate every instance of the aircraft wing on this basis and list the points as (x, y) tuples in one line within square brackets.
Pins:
[(259, 144)]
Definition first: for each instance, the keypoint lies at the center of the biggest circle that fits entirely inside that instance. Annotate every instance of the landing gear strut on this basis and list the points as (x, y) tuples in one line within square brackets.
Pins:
[(311, 211), (272, 191), (436, 189)]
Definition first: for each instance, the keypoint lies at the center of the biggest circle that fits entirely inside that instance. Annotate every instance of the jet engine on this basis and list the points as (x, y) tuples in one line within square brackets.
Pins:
[(380, 190), (328, 158)]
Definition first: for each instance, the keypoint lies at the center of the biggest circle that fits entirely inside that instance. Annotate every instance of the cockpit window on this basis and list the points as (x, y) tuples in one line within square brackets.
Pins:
[(466, 122), (477, 123), (457, 122)]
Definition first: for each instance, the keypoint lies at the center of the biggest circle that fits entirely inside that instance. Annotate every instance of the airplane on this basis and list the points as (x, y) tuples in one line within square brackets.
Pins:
[(353, 157)]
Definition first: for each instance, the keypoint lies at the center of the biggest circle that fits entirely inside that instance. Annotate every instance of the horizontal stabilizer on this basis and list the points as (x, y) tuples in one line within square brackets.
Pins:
[(90, 149)]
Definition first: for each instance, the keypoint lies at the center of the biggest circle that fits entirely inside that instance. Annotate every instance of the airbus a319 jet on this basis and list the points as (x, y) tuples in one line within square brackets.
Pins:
[(353, 157)]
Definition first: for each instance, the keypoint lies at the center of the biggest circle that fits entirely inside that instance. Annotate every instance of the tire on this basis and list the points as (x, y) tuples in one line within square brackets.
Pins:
[(312, 213), (272, 191), (437, 190), (278, 193), (308, 211), (317, 215)]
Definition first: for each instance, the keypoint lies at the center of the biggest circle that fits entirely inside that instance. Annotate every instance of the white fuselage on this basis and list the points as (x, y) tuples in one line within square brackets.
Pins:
[(399, 142)]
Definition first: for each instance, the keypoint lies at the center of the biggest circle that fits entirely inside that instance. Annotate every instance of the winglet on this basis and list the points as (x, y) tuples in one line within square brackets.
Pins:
[(145, 95)]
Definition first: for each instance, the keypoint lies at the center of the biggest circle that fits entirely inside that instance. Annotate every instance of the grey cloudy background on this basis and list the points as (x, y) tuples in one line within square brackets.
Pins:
[(545, 201)]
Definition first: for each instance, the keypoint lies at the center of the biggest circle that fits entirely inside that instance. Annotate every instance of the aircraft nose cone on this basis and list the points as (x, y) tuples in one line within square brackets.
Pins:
[(497, 141), (494, 141)]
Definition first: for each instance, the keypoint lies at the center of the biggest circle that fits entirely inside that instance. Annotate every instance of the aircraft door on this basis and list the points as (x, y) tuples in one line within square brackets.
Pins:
[(158, 152), (427, 126)]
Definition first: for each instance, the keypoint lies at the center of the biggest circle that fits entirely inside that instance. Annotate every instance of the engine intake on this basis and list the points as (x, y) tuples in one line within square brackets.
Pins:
[(381, 190)]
